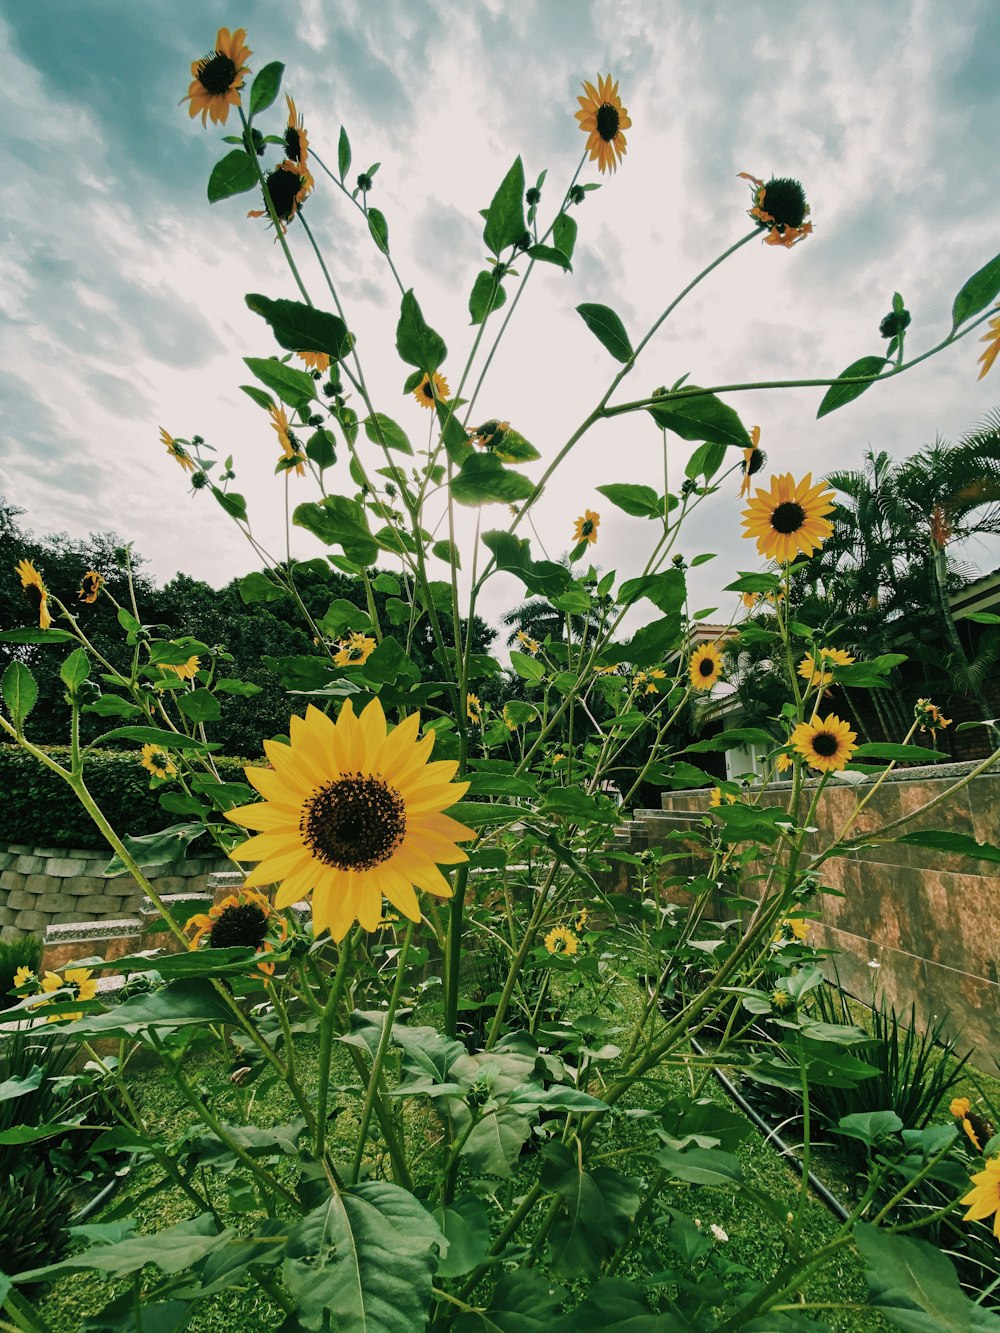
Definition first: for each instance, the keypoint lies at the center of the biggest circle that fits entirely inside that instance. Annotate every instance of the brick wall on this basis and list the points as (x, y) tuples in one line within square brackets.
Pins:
[(40, 886)]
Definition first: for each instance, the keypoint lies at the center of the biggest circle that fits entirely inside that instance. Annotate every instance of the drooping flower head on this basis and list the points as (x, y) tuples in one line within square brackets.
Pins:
[(218, 77), (529, 644), (352, 813), (287, 186), (90, 585), (780, 208), (183, 670), (246, 919), (705, 666), (603, 118), (490, 434), (355, 650), (176, 450), (289, 445), (984, 1198), (157, 761), (561, 940), (826, 744), (929, 716), (296, 139), (992, 340), (754, 459), (586, 528), (426, 396), (35, 591), (315, 361), (790, 518)]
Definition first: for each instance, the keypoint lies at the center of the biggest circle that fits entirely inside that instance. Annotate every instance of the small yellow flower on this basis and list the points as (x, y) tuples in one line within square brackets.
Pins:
[(76, 979), (792, 928), (558, 759), (718, 796), (527, 642), (157, 761), (355, 650), (22, 976), (36, 591), (583, 918), (812, 670), (286, 187), (473, 708), (825, 744), (749, 600), (561, 940), (296, 142), (509, 722), (176, 450), (606, 671), (90, 585), (985, 1197), (426, 395), (784, 762), (929, 716), (289, 447), (246, 918), (705, 666), (315, 361), (185, 670), (992, 340), (586, 528), (652, 676), (602, 118), (218, 77)]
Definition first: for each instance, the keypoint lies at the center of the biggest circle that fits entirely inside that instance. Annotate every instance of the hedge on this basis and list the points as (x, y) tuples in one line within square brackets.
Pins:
[(38, 809)]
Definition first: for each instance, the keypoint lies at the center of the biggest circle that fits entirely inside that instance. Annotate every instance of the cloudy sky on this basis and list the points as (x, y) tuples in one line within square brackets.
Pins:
[(123, 289)]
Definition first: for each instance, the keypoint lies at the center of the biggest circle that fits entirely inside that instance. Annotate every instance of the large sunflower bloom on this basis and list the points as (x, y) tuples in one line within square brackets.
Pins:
[(76, 979), (427, 396), (705, 666), (561, 940), (985, 1197), (992, 340), (586, 528), (176, 450), (218, 78), (34, 587), (789, 518), (826, 744), (602, 118), (352, 812)]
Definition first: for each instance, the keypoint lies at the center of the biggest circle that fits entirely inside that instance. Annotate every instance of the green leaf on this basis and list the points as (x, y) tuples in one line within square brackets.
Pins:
[(486, 296), (505, 217), (381, 429), (321, 448), (416, 342), (261, 398), (513, 554), (379, 229), (666, 590), (110, 705), (171, 1249), (297, 388), (522, 1302), (20, 1087), (265, 87), (232, 502), (75, 670), (155, 849), (751, 823), (754, 583), (549, 254), (649, 645), (494, 1145), (448, 552), (302, 328), (363, 1260), (339, 521), (870, 674), (343, 153), (572, 803), (453, 433), (914, 1286), (608, 329), (639, 501), (982, 617), (466, 1227), (199, 705), (20, 692), (598, 1208), (907, 754), (701, 417), (838, 394), (869, 1126), (982, 288), (257, 587), (564, 234), (514, 448), (705, 461), (233, 174), (700, 1166), (955, 844), (388, 663), (35, 1133), (501, 784), (169, 740), (731, 740), (483, 479), (527, 667), (36, 636)]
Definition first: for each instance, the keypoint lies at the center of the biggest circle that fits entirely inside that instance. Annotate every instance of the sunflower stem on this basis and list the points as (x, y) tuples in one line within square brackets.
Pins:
[(326, 1038)]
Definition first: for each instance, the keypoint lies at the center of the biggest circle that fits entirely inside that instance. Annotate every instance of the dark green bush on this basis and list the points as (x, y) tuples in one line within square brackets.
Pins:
[(39, 809), (23, 952)]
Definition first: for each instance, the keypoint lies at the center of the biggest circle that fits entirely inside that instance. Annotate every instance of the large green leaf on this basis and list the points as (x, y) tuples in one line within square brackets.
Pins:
[(20, 692), (171, 1249), (751, 823), (522, 1302), (75, 670), (31, 635), (598, 1208), (483, 479), (257, 587), (20, 1087), (639, 501), (649, 645), (838, 394), (701, 417), (265, 87), (233, 174), (466, 1226), (564, 234), (494, 1145), (302, 328), (339, 521), (608, 329), (700, 1166), (665, 590), (549, 254), (381, 429), (169, 740), (155, 849), (363, 1261), (505, 217), (730, 740), (976, 294), (416, 342), (294, 387), (914, 1286), (513, 555), (906, 754), (379, 229), (958, 844), (199, 705), (572, 803), (486, 296), (613, 1305)]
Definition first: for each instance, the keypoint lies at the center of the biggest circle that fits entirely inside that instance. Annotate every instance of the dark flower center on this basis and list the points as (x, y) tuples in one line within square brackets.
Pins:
[(216, 73), (753, 462), (825, 744), (35, 596), (706, 667), (607, 122), (292, 145), (354, 823), (785, 200), (427, 390), (587, 528), (283, 186), (245, 924), (788, 517)]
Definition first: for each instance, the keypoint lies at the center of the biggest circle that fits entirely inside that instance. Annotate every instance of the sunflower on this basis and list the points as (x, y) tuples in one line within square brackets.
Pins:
[(582, 919), (90, 585), (602, 118), (244, 918), (792, 928), (355, 650), (76, 979), (930, 716), (527, 642), (185, 670), (315, 361), (286, 186), (825, 744), (786, 210), (784, 762), (34, 587), (473, 708), (561, 940), (705, 666), (296, 139), (790, 518), (753, 460), (749, 600), (586, 528), (985, 1197), (427, 396), (352, 812), (489, 434), (652, 676), (509, 722), (156, 761), (812, 670), (218, 78), (22, 976), (176, 450), (992, 339), (288, 442), (717, 797)]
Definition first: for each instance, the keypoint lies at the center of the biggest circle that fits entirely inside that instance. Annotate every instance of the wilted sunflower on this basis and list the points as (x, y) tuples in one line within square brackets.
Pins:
[(244, 918), (561, 940), (780, 207), (355, 650), (156, 761), (176, 450), (754, 459), (489, 434), (90, 585), (602, 118), (289, 446), (929, 716), (586, 527), (78, 980), (789, 518), (287, 185), (705, 666), (985, 1197), (426, 396), (812, 671), (35, 590), (352, 812), (826, 744), (218, 78), (992, 340)]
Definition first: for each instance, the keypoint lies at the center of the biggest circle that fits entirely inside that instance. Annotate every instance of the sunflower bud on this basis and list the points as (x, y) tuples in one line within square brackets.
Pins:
[(678, 562), (525, 242), (894, 323), (196, 441), (198, 481), (364, 182), (258, 142), (533, 196), (688, 487), (577, 194), (332, 387), (315, 420)]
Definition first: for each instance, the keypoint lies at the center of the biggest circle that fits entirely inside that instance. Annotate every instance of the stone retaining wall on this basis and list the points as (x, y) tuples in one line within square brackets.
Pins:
[(40, 886)]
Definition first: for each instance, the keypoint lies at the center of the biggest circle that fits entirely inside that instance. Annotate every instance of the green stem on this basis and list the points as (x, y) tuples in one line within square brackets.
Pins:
[(326, 1038)]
